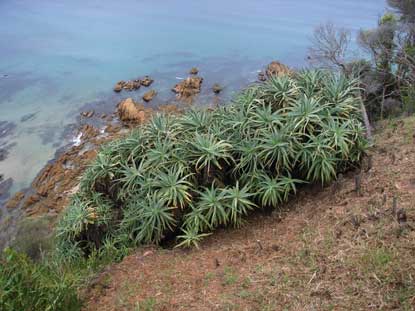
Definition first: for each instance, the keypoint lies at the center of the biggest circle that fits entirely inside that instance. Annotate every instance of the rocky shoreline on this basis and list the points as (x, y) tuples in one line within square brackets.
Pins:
[(51, 190)]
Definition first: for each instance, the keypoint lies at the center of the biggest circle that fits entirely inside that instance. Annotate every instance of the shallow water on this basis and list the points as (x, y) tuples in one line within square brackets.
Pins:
[(57, 56)]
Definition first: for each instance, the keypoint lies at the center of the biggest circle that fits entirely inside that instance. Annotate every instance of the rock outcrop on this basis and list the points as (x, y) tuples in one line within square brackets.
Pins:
[(277, 69), (15, 200), (146, 81), (262, 76), (119, 86), (188, 87), (48, 191), (88, 114), (149, 95), (217, 88), (130, 85), (129, 111), (194, 71)]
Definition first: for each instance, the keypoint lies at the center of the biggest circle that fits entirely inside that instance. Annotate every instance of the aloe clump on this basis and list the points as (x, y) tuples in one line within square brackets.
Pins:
[(189, 174)]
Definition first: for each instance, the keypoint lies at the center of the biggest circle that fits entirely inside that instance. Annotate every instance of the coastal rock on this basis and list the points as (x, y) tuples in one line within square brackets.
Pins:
[(50, 185), (262, 76), (88, 114), (88, 132), (129, 111), (112, 129), (277, 69), (188, 87), (149, 95), (146, 81), (49, 193), (51, 190), (217, 88), (15, 200), (131, 85), (119, 86), (194, 71), (31, 200)]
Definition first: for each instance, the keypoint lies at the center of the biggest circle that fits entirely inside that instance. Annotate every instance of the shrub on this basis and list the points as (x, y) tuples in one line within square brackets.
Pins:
[(203, 169)]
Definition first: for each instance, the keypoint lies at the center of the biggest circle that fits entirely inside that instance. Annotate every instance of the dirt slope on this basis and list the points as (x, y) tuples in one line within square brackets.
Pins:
[(327, 249)]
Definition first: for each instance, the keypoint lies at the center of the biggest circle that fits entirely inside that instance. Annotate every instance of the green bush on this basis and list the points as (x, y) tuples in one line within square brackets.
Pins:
[(27, 286), (187, 175)]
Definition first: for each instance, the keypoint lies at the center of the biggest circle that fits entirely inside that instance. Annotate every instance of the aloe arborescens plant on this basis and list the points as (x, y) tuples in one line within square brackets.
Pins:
[(204, 169)]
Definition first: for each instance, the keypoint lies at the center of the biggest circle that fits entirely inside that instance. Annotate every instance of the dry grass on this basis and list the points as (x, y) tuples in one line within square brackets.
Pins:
[(327, 249)]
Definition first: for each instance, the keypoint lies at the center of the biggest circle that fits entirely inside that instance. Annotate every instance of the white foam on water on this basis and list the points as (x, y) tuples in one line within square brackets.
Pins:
[(77, 140)]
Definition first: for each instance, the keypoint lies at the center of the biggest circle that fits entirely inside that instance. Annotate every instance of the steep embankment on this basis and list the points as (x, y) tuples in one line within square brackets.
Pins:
[(326, 249)]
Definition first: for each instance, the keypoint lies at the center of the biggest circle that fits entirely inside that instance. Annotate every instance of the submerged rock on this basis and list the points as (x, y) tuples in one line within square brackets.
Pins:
[(129, 111), (28, 117), (277, 69), (149, 95), (146, 81), (194, 71), (5, 187), (217, 88), (188, 87), (6, 128), (3, 155)]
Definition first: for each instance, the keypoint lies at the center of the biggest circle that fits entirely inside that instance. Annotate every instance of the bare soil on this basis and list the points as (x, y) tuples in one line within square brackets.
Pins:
[(331, 248)]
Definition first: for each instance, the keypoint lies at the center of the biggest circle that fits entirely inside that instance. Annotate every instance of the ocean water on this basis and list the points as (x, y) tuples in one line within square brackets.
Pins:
[(59, 57)]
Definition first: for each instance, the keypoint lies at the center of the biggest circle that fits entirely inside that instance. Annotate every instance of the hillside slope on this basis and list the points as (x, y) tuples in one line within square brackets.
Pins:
[(327, 249)]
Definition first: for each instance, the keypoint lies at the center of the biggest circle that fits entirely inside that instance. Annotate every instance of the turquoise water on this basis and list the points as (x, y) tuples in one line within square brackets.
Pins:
[(58, 56)]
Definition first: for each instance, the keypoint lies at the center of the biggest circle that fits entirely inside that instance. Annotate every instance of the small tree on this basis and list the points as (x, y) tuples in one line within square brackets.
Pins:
[(380, 44), (405, 9), (329, 46)]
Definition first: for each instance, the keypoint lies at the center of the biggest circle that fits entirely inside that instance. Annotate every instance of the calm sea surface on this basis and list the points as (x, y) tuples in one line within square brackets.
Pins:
[(58, 56)]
